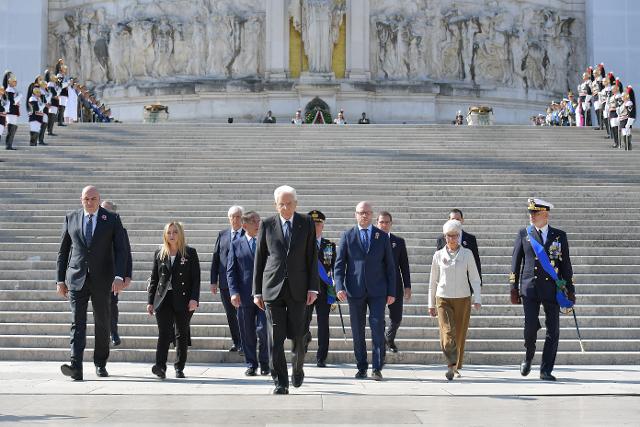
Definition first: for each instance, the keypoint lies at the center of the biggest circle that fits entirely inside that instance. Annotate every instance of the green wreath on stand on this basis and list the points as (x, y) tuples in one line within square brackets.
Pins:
[(311, 115)]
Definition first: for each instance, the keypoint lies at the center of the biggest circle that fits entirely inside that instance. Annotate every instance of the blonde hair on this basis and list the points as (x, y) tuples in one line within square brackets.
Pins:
[(182, 242)]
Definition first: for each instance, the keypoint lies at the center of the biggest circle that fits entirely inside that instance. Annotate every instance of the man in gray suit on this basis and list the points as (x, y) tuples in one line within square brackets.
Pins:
[(91, 264), (285, 281)]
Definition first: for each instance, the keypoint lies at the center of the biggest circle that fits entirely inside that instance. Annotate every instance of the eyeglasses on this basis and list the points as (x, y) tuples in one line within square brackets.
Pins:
[(363, 213)]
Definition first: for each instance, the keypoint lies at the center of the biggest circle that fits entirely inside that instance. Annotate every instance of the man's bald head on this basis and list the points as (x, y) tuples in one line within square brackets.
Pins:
[(90, 199), (364, 214)]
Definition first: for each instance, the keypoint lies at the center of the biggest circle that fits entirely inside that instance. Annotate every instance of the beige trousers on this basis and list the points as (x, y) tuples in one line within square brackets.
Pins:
[(453, 318)]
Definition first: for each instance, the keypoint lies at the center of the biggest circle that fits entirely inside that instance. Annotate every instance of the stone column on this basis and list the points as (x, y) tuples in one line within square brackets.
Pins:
[(277, 29), (358, 40)]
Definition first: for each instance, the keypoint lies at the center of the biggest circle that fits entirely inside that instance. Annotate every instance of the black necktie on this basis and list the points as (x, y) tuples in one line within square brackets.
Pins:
[(88, 230), (539, 232), (252, 245), (287, 233)]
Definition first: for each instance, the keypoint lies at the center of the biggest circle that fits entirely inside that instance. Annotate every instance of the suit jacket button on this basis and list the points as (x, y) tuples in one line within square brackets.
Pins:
[(535, 277), (536, 258), (182, 283), (183, 293), (535, 268), (181, 274)]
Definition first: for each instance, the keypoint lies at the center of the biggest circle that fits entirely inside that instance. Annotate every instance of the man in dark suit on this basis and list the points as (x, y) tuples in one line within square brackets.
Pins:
[(219, 271), (285, 281), (115, 337), (91, 251), (365, 275), (327, 259), (403, 278), (467, 240), (251, 320), (532, 286)]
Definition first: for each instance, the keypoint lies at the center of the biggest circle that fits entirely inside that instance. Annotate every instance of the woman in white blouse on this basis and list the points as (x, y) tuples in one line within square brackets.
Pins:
[(452, 271)]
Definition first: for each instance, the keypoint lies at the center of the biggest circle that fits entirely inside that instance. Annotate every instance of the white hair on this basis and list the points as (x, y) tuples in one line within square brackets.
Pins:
[(284, 189), (234, 210), (109, 205), (452, 226)]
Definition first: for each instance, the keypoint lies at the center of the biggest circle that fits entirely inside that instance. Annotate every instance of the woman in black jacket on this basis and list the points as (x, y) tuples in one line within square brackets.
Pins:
[(174, 292)]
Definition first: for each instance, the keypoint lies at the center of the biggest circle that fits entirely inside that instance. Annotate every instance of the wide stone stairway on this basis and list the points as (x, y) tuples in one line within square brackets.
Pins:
[(194, 172)]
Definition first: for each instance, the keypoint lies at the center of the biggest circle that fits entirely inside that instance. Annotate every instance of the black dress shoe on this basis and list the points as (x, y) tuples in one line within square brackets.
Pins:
[(251, 372), (525, 368), (547, 377), (11, 148), (42, 143), (101, 371), (179, 373), (115, 339), (233, 349), (159, 372), (376, 375), (450, 372), (321, 364), (264, 370), (281, 390), (393, 347), (71, 371), (361, 374), (297, 379)]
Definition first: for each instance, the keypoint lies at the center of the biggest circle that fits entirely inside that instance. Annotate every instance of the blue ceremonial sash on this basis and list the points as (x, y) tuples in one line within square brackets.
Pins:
[(543, 257), (331, 292)]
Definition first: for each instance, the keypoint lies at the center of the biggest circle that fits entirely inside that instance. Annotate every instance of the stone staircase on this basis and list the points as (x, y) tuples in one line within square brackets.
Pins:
[(194, 172)]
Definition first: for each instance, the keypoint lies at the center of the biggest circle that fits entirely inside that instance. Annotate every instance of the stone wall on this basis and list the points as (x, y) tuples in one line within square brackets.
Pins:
[(128, 40), (529, 45)]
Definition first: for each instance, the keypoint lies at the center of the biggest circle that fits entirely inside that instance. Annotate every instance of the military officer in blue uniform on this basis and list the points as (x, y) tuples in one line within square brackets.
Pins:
[(326, 296), (532, 286)]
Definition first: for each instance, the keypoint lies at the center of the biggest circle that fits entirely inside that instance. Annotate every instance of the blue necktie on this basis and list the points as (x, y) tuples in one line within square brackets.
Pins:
[(252, 245), (287, 233), (365, 239), (88, 230)]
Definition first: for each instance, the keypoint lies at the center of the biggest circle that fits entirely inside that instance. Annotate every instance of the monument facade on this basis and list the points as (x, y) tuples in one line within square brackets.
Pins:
[(398, 60)]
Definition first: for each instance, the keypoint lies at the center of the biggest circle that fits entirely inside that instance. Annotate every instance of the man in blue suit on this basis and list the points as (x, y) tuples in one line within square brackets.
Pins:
[(252, 321), (219, 271), (365, 276)]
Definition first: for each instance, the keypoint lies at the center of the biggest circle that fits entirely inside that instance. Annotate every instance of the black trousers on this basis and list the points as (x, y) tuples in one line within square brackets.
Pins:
[(79, 301), (171, 313), (532, 325), (322, 309), (114, 313), (232, 317), (285, 319), (51, 122), (395, 315)]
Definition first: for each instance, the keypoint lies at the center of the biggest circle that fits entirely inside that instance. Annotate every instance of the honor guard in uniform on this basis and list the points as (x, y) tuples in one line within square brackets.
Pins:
[(615, 100), (63, 82), (538, 249), (605, 93), (36, 111), (3, 110), (9, 82), (596, 88), (297, 119), (54, 91), (326, 296), (584, 94), (627, 115), (45, 96)]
